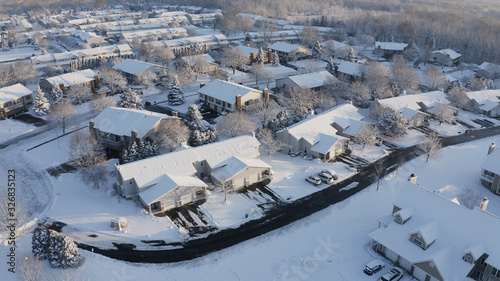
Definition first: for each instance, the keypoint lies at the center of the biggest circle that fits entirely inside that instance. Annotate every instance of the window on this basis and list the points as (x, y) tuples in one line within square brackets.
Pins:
[(398, 219), (483, 259), (494, 271), (479, 275), (417, 242)]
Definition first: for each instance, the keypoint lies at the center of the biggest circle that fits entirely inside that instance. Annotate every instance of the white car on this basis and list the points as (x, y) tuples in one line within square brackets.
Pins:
[(326, 178), (373, 267), (394, 274), (333, 175), (314, 180)]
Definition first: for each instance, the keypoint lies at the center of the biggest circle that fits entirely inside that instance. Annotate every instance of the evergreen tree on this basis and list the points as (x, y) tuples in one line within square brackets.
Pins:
[(276, 59), (175, 95), (261, 56), (194, 120), (5, 44), (351, 56), (41, 104), (317, 51), (200, 134), (40, 243), (130, 99), (56, 93), (138, 151), (283, 119), (331, 66), (62, 251)]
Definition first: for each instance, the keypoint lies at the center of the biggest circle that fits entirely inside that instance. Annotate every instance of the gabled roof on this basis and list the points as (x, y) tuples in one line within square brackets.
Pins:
[(283, 47), (428, 232), (314, 79), (133, 67), (476, 250), (247, 50), (349, 68), (405, 213), (73, 78), (489, 105), (167, 183), (482, 96), (234, 165), (13, 92), (449, 53), (391, 46), (335, 44), (122, 121), (323, 143), (412, 101), (225, 91)]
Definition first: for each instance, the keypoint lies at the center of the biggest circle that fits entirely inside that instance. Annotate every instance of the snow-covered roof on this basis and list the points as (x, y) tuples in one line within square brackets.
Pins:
[(405, 213), (491, 163), (390, 46), (153, 32), (225, 91), (489, 105), (112, 50), (209, 40), (412, 101), (167, 183), (203, 57), (352, 127), (133, 67), (476, 250), (313, 80), (13, 92), (232, 166), (454, 229), (247, 50), (323, 143), (449, 53), (482, 96), (181, 162), (86, 36), (310, 128), (73, 78), (122, 121), (334, 44), (349, 68), (488, 66), (283, 47)]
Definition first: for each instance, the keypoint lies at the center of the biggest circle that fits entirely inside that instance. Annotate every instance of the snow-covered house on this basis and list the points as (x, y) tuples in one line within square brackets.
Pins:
[(317, 135), (435, 239), (486, 102), (287, 52), (204, 62), (390, 48), (490, 169), (14, 99), (291, 36), (157, 33), (173, 179), (118, 127), (335, 47), (446, 57), (416, 108), (314, 80), (86, 77), (203, 19), (206, 42), (88, 38), (131, 68), (488, 70), (351, 70), (228, 96)]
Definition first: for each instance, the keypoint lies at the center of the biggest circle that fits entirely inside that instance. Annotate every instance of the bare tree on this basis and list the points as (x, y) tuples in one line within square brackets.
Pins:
[(234, 58), (171, 133), (19, 213), (225, 185), (197, 64), (379, 166), (259, 72), (435, 79), (309, 35), (85, 150), (444, 113), (79, 94), (469, 197), (324, 100), (267, 29), (163, 54), (431, 146), (367, 135), (359, 93), (95, 175), (235, 124), (265, 111), (31, 268), (102, 102), (112, 78), (300, 100), (270, 142), (404, 78), (146, 78), (377, 79), (61, 113), (184, 74), (146, 51)]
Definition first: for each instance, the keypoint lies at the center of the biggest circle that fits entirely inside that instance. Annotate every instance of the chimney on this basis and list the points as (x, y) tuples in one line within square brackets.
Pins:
[(484, 204), (491, 148), (133, 133), (202, 85), (269, 56), (412, 178), (97, 82), (265, 94), (63, 89), (252, 57), (175, 113), (238, 102), (91, 128)]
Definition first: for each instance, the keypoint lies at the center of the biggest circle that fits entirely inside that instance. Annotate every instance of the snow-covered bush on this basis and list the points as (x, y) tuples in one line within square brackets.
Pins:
[(40, 243), (392, 124), (130, 99), (283, 119), (41, 104), (61, 251), (139, 151)]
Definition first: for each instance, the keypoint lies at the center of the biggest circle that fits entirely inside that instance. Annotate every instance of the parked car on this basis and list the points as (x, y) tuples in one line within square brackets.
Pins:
[(314, 180), (333, 175), (373, 267), (394, 274), (326, 177)]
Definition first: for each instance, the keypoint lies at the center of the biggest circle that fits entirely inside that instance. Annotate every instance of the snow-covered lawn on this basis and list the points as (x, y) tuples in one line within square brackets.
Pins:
[(446, 129), (45, 155), (310, 64), (411, 138), (10, 128), (21, 52), (467, 117)]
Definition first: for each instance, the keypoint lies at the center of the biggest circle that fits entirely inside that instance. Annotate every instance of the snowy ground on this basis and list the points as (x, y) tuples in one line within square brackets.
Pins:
[(310, 64), (10, 128), (21, 52)]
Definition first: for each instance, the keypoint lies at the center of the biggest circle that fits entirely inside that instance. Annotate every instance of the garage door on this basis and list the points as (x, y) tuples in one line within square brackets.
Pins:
[(404, 263), (391, 255)]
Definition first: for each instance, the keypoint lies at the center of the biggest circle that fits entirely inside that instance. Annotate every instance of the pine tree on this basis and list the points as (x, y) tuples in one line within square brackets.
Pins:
[(351, 56), (5, 44), (63, 252), (331, 66), (130, 99), (41, 104), (175, 95), (40, 243), (261, 56), (317, 51), (138, 151), (194, 120), (283, 119), (276, 59), (56, 93)]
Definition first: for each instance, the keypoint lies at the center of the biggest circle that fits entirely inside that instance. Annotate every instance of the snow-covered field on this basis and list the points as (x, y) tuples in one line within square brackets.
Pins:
[(21, 52), (10, 128)]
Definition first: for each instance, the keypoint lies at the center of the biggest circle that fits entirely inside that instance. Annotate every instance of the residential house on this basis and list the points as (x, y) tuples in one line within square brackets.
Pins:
[(205, 42), (338, 49), (485, 102), (315, 80), (446, 57), (88, 38), (317, 136), (291, 36), (490, 169), (117, 127), (388, 49), (180, 177), (203, 19), (322, 31), (351, 70), (86, 77), (416, 108), (14, 99), (435, 239), (204, 63), (252, 53), (156, 33), (132, 68), (228, 96), (259, 20), (488, 70), (287, 52)]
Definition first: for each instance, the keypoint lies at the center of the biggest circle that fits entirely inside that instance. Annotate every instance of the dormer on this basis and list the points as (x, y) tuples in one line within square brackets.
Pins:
[(474, 252), (403, 215), (426, 235)]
